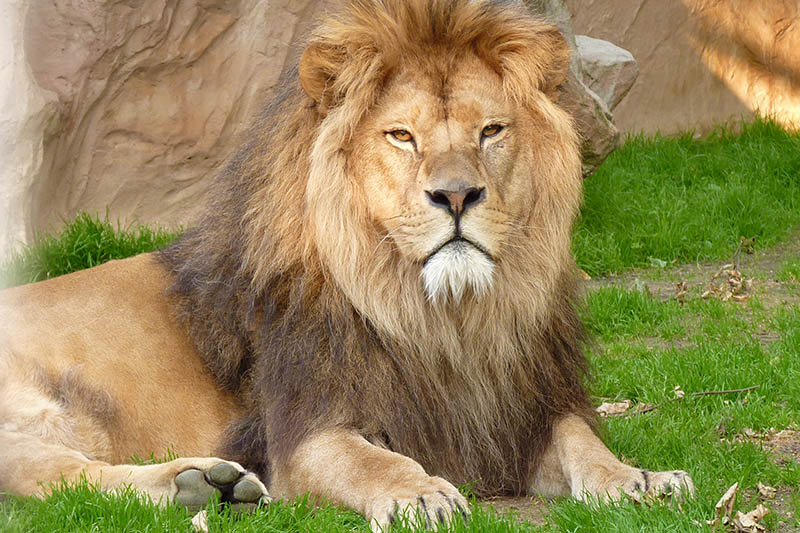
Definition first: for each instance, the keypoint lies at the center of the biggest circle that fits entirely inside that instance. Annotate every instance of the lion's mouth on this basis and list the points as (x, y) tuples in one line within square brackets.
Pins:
[(459, 244)]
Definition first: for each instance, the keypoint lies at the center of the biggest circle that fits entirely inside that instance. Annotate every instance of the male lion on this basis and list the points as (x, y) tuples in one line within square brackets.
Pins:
[(378, 302)]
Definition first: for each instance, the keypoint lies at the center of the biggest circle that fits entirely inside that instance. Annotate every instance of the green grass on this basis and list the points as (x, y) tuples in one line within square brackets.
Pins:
[(697, 432), (655, 201), (81, 507), (661, 199), (611, 312), (84, 242)]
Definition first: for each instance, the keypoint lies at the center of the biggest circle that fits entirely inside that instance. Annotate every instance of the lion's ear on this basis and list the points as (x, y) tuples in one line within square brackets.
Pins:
[(559, 53), (538, 58), (319, 66)]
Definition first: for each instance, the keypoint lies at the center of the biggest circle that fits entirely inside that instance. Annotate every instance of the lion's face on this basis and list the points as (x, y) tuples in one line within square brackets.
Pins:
[(445, 173), (442, 167)]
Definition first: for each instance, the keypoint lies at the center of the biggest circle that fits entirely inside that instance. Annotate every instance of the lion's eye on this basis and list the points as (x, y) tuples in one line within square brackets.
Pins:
[(491, 130), (401, 135)]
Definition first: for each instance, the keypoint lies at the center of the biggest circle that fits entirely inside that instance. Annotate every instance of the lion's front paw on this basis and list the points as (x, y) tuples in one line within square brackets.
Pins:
[(225, 479), (644, 486), (431, 501), (676, 483)]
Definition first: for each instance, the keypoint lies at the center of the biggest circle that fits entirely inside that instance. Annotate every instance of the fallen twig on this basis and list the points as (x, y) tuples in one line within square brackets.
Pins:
[(729, 391), (640, 411), (621, 409)]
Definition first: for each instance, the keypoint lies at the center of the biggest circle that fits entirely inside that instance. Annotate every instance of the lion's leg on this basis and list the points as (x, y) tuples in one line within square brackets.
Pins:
[(346, 469), (28, 464), (578, 463), (42, 443)]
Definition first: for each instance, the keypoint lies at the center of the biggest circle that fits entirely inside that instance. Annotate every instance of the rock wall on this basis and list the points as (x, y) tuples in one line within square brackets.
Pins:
[(702, 62), (130, 107), (754, 48), (152, 95), (25, 112)]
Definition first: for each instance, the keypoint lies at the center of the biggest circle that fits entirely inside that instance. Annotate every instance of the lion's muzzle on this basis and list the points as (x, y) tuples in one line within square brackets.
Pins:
[(455, 267)]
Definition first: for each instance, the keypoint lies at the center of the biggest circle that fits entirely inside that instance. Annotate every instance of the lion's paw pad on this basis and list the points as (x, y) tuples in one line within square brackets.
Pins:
[(225, 481)]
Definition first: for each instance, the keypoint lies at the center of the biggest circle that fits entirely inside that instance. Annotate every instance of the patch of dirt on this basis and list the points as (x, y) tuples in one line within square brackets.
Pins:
[(774, 293), (525, 508), (771, 260), (766, 338), (755, 277), (663, 344), (761, 267), (782, 506), (784, 444)]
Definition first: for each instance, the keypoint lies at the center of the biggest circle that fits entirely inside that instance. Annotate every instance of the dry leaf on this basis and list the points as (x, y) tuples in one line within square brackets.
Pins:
[(723, 270), (583, 274), (766, 491), (680, 290), (728, 500), (724, 507), (749, 522), (200, 521), (746, 245), (728, 283), (607, 409)]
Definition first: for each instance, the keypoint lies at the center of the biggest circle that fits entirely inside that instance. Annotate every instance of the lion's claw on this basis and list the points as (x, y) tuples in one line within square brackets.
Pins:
[(643, 486), (675, 484), (438, 502)]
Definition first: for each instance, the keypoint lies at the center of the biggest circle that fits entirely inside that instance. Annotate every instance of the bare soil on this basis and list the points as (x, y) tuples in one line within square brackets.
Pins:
[(784, 445), (761, 268), (782, 506), (525, 508)]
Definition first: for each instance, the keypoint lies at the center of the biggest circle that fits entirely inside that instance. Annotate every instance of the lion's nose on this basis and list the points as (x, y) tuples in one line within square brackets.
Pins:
[(456, 202)]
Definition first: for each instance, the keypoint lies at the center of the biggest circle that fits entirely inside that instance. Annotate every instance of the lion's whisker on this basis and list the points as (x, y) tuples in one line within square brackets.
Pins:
[(385, 237)]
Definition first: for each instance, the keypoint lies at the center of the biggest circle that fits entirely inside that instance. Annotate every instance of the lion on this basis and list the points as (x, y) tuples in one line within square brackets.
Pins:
[(377, 305)]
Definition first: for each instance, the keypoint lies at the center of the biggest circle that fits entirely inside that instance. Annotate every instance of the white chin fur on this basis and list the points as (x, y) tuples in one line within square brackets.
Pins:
[(453, 269)]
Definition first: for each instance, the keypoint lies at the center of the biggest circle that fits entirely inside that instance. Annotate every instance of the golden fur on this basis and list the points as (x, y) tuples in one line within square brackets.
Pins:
[(382, 281)]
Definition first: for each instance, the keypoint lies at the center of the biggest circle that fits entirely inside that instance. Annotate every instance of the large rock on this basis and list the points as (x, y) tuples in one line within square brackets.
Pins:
[(608, 70), (130, 107), (592, 116)]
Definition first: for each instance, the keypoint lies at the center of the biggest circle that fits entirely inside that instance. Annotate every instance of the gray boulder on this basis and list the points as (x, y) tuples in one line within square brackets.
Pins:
[(608, 70)]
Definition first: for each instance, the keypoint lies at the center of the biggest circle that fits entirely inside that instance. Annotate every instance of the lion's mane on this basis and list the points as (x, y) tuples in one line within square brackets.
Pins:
[(299, 307)]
